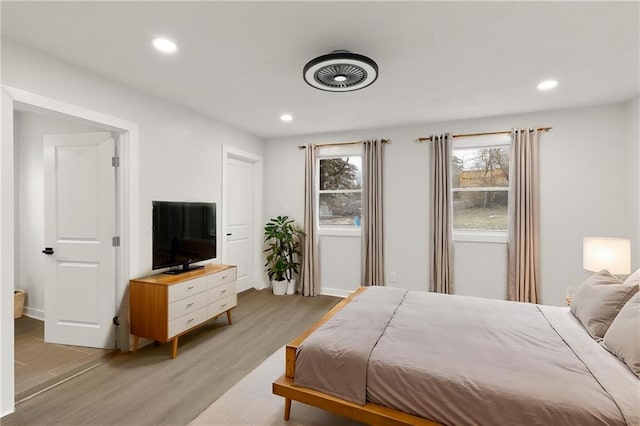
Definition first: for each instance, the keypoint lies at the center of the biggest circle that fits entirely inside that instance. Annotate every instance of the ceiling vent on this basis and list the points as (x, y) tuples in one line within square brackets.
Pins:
[(340, 71)]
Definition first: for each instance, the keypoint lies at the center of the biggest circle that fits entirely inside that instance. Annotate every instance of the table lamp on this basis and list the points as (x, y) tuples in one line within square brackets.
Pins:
[(612, 254)]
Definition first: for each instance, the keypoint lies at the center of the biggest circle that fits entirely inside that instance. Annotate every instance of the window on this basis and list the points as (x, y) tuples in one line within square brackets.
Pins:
[(480, 184), (340, 189)]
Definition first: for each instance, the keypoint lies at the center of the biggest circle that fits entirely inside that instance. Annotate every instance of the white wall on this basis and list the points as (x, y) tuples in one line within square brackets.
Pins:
[(339, 281), (633, 116), (480, 269), (180, 154), (584, 186), (29, 130)]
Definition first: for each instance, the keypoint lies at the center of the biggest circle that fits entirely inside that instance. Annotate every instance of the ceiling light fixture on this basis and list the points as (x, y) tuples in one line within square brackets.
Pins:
[(340, 71), (547, 85), (164, 45), (286, 117)]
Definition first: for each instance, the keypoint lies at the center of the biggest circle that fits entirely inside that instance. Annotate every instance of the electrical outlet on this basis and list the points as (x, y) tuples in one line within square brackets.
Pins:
[(393, 277)]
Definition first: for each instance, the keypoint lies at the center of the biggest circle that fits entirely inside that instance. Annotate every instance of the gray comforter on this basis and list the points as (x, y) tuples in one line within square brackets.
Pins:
[(468, 361)]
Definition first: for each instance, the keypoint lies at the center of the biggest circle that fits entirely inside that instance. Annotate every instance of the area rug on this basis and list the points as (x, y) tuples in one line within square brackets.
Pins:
[(250, 402)]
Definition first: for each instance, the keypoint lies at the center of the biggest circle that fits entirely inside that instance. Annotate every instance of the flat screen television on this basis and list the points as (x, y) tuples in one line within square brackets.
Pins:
[(183, 233)]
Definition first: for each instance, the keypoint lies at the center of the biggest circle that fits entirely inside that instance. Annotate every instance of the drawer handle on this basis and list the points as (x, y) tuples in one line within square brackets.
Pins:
[(223, 305), (189, 320), (189, 305), (190, 287), (224, 276), (223, 291)]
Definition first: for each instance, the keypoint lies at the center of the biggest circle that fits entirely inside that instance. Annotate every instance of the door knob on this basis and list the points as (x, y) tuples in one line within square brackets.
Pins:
[(48, 250)]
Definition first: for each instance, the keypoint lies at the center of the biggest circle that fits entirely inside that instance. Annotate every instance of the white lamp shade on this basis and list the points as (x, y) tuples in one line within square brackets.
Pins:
[(612, 254)]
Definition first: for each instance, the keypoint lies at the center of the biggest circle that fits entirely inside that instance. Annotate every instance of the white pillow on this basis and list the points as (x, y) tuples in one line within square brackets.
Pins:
[(623, 337), (599, 299), (633, 278)]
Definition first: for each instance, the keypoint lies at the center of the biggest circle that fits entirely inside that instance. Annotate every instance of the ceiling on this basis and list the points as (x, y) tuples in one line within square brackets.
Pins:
[(241, 62)]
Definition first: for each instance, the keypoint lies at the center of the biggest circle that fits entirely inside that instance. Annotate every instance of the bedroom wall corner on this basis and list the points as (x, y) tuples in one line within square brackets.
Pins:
[(173, 141), (406, 215)]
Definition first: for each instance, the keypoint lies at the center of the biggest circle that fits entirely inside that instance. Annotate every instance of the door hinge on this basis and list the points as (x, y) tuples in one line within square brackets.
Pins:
[(115, 241), (116, 321), (115, 161)]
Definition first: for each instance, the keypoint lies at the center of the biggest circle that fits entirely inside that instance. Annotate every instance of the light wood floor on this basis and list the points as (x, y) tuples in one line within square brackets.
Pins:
[(250, 402), (149, 388), (39, 364)]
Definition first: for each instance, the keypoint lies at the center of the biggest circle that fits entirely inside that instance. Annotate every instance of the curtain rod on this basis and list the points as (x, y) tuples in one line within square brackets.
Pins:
[(503, 132), (341, 143)]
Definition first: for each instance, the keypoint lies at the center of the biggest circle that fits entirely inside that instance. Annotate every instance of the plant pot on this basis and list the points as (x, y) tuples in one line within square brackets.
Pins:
[(291, 287), (279, 287), (18, 303)]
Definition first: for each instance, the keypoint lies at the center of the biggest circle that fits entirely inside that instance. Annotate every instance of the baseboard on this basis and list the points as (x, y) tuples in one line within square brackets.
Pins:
[(337, 292), (33, 313), (7, 412), (261, 285)]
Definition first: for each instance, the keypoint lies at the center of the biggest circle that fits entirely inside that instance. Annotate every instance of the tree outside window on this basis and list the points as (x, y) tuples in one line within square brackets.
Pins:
[(340, 191), (480, 185)]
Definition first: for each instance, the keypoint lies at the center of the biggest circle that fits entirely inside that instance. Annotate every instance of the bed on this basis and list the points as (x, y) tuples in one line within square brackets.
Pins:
[(393, 356)]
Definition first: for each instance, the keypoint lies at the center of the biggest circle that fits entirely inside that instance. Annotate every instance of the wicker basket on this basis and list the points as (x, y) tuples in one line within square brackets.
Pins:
[(18, 303)]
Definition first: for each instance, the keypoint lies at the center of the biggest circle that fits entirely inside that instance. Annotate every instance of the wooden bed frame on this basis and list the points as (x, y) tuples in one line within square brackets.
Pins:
[(369, 413)]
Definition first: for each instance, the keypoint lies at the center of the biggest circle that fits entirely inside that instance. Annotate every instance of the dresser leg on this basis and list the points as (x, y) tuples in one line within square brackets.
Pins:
[(136, 340), (229, 316), (174, 348)]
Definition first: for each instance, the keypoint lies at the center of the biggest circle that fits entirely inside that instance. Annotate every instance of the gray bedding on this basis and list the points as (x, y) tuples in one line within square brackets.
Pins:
[(464, 361)]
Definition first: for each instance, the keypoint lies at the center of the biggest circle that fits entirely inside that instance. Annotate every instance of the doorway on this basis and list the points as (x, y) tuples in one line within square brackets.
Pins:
[(60, 178), (64, 200), (242, 215), (126, 204)]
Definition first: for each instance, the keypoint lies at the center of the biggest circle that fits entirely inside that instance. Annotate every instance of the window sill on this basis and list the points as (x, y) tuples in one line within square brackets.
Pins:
[(340, 232), (480, 236)]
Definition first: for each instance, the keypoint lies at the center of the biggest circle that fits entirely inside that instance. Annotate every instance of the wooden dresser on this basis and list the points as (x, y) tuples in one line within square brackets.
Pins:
[(163, 307)]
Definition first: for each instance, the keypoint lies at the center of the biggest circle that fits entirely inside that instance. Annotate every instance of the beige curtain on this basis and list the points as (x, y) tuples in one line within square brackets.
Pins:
[(309, 282), (372, 232), (441, 280), (523, 217)]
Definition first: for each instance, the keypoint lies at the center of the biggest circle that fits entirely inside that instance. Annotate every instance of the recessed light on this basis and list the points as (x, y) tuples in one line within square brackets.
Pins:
[(286, 117), (164, 45), (547, 85)]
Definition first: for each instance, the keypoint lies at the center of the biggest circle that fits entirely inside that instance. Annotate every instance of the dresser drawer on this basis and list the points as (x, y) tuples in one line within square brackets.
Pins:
[(222, 305), (185, 322), (186, 305), (187, 288), (222, 277), (221, 292)]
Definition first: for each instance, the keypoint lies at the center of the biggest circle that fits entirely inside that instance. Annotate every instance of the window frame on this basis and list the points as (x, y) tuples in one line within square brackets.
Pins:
[(481, 142), (325, 153)]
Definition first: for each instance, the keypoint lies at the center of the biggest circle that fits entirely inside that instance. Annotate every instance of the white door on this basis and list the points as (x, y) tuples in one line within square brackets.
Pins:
[(80, 287), (239, 212)]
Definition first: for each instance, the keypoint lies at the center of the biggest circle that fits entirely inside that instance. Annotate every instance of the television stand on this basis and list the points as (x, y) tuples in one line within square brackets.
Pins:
[(164, 307), (185, 268)]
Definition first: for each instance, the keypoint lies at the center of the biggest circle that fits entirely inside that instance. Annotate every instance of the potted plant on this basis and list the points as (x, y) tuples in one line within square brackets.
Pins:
[(283, 240)]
